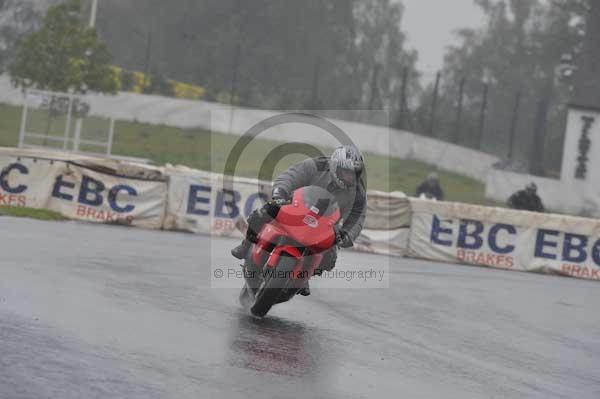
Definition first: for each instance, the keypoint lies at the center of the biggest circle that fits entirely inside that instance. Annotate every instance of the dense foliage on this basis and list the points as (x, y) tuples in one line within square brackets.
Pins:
[(273, 53), (517, 52), (327, 54), (63, 55)]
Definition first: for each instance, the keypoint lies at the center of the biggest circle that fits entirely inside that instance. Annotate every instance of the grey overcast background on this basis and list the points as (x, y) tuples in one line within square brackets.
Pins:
[(431, 29)]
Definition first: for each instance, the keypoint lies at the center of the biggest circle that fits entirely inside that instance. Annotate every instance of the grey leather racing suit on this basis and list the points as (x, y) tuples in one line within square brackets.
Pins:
[(315, 172)]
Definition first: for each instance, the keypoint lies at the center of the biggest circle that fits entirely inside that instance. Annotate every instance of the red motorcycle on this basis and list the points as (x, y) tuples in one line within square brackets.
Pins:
[(289, 249)]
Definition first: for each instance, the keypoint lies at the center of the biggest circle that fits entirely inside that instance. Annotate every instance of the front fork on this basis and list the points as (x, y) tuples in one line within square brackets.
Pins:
[(306, 264)]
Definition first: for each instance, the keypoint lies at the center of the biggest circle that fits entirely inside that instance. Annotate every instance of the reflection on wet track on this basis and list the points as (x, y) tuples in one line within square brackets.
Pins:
[(275, 345)]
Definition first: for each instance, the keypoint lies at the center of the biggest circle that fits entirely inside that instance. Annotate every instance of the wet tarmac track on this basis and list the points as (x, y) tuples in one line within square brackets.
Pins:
[(92, 311)]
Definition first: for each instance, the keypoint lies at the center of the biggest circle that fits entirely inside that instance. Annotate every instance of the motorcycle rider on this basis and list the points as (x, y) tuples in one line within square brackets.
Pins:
[(341, 174), (527, 200), (431, 188)]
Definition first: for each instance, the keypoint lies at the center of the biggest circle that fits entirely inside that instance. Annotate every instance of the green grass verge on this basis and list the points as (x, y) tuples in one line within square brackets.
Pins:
[(200, 149), (40, 214)]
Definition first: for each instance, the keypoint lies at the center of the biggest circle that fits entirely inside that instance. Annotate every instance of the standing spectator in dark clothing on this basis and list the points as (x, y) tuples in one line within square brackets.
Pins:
[(431, 188), (527, 200)]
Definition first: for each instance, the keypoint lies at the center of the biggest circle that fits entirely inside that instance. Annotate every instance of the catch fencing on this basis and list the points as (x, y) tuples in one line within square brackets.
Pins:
[(186, 114), (53, 120)]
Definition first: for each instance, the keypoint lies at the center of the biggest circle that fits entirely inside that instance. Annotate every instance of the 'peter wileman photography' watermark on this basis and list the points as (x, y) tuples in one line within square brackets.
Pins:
[(234, 277), (335, 274)]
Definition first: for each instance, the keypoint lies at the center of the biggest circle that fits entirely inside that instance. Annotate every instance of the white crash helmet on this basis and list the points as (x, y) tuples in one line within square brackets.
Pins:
[(346, 166)]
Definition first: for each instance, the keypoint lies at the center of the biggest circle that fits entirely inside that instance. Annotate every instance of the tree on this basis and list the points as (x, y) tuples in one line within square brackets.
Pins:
[(19, 18), (380, 52), (63, 55), (127, 80), (159, 84), (516, 53), (295, 54)]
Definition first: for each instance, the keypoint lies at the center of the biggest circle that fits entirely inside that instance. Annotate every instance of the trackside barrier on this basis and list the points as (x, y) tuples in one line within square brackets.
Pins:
[(179, 198), (171, 198), (201, 202), (82, 188), (505, 239), (387, 225)]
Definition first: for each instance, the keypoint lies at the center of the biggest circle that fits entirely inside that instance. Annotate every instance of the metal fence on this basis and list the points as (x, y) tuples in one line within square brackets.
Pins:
[(61, 121), (522, 126)]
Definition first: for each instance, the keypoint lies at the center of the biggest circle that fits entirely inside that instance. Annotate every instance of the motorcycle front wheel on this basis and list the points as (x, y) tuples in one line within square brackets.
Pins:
[(274, 286)]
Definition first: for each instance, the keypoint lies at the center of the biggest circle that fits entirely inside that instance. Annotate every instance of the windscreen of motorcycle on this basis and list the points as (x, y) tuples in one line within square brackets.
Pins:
[(310, 218), (320, 201)]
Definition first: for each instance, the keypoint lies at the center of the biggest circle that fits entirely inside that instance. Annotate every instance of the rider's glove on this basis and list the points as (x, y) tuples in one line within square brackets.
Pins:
[(343, 239), (280, 195), (270, 209)]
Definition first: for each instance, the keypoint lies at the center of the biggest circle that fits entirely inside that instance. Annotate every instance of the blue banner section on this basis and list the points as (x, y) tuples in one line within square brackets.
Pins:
[(228, 204), (522, 241), (94, 193), (548, 244)]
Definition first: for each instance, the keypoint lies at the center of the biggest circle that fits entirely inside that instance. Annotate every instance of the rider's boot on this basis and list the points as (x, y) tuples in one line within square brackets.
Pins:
[(241, 250), (304, 291)]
